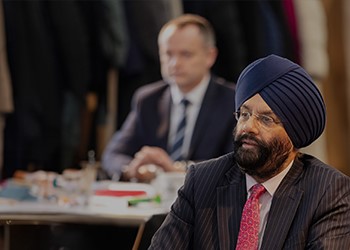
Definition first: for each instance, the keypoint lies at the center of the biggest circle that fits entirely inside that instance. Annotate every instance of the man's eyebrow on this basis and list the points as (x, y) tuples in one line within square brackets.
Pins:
[(267, 112), (245, 106), (264, 112)]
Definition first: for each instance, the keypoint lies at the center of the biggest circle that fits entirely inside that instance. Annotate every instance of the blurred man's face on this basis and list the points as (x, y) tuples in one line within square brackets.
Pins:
[(261, 144), (184, 56)]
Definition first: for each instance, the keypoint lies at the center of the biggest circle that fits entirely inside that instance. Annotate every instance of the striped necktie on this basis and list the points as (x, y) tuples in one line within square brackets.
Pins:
[(248, 237), (176, 149)]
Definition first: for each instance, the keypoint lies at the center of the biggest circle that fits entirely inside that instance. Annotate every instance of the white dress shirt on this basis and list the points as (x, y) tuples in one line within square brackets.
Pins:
[(195, 97)]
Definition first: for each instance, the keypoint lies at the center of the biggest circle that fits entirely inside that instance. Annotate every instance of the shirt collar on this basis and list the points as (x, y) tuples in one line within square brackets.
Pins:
[(195, 96), (270, 185)]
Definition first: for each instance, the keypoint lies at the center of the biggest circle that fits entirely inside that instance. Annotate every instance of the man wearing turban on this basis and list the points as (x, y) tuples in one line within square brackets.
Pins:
[(265, 194)]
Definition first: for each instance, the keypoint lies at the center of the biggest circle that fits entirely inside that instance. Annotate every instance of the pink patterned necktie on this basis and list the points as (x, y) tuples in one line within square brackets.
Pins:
[(249, 230)]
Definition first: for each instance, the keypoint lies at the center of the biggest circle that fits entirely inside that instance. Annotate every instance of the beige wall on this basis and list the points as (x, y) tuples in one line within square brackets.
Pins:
[(346, 30), (336, 86)]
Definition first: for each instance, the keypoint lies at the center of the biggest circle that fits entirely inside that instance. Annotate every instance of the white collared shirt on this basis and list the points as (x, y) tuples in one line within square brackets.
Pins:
[(265, 199), (195, 97)]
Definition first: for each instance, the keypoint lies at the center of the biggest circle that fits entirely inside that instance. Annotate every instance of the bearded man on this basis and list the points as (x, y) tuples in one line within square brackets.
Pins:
[(265, 194)]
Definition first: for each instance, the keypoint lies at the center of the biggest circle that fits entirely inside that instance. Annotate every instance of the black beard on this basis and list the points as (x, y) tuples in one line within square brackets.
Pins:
[(264, 162)]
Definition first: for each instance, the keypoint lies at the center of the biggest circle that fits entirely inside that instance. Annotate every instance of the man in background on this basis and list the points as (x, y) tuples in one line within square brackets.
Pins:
[(185, 117)]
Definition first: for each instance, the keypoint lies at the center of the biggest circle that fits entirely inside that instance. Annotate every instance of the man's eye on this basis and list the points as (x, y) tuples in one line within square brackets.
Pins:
[(266, 119), (245, 114), (186, 54)]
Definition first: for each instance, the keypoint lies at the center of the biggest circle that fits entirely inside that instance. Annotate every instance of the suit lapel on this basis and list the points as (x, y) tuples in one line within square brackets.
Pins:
[(283, 208), (164, 118), (229, 211)]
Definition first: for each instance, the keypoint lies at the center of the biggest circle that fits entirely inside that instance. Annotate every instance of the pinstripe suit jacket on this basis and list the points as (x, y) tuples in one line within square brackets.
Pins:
[(310, 208)]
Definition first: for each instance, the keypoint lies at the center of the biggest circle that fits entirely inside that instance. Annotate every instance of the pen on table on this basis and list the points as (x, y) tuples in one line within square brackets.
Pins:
[(134, 202)]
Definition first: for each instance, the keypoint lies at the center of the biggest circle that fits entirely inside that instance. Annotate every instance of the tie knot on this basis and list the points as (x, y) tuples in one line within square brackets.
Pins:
[(257, 191), (185, 102)]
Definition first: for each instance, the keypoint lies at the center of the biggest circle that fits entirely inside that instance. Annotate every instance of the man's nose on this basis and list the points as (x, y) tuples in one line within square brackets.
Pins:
[(174, 61), (251, 125)]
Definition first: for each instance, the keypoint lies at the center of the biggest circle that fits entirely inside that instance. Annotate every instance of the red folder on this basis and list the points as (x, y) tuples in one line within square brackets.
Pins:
[(120, 193)]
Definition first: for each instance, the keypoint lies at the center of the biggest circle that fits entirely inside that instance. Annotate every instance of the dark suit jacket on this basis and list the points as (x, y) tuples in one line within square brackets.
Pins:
[(148, 124), (310, 208)]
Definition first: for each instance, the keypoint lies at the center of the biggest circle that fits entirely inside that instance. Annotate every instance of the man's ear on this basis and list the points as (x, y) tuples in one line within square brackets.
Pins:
[(213, 53)]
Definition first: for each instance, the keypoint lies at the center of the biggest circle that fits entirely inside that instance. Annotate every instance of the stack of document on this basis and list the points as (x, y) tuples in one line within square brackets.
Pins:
[(123, 194)]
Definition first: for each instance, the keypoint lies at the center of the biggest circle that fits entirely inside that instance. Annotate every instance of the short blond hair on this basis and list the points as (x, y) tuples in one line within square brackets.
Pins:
[(203, 24)]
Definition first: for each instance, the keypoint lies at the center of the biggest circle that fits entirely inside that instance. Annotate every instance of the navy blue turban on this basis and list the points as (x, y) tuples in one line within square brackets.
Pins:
[(291, 94)]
